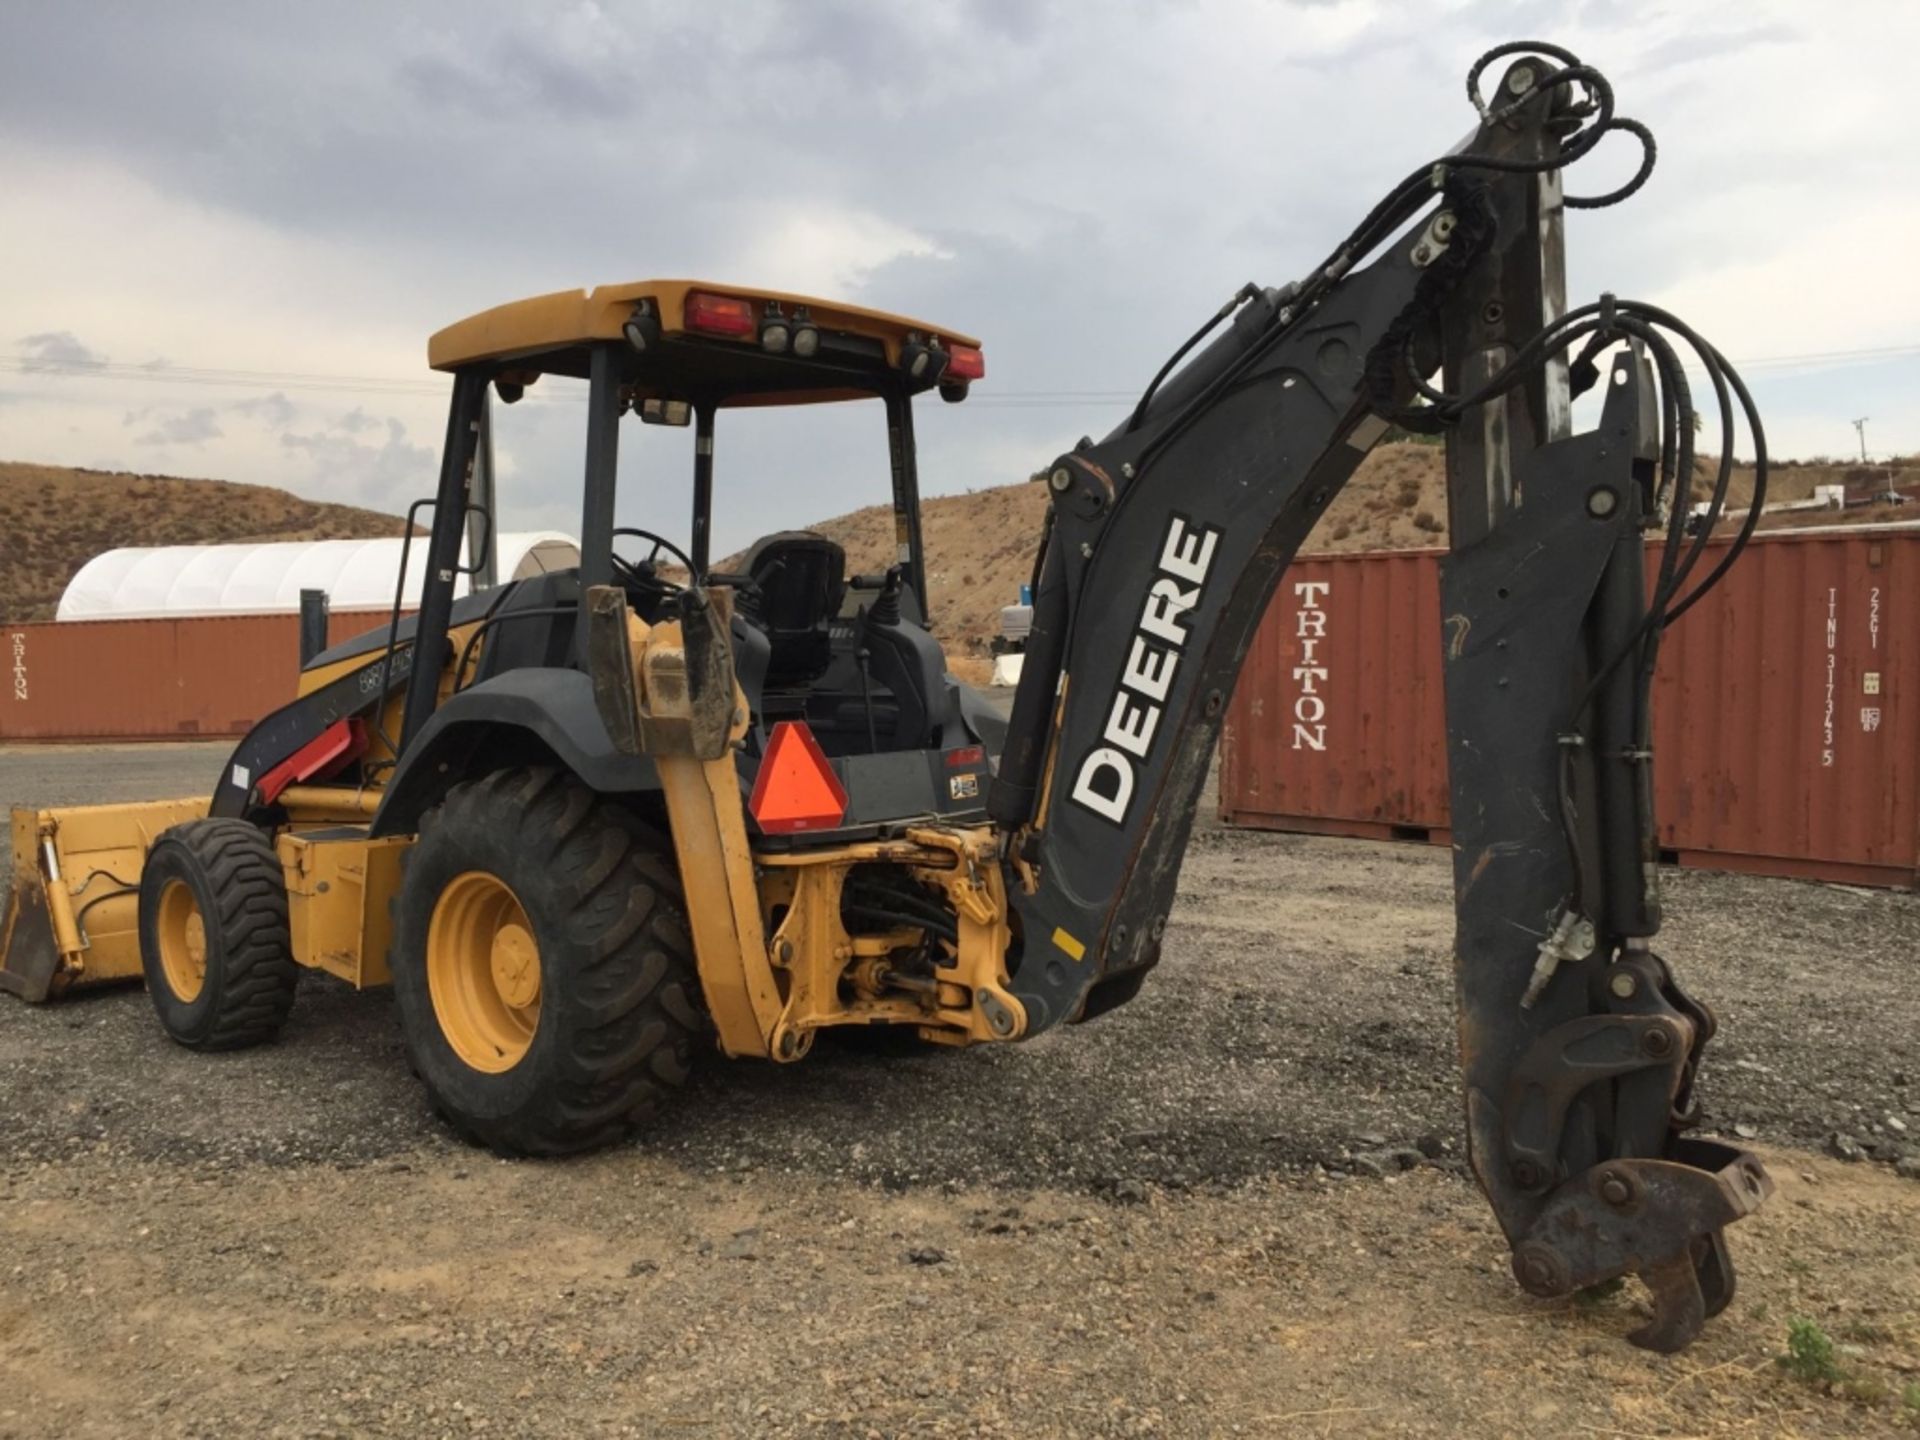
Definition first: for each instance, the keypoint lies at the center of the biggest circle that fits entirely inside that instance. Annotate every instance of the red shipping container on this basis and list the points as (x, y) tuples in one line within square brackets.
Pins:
[(1786, 741), (165, 679)]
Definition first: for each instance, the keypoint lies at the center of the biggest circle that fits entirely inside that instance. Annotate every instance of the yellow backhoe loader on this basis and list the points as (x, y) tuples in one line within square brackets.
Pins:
[(594, 824)]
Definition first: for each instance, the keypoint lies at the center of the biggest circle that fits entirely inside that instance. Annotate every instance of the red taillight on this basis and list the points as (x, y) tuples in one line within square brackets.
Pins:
[(719, 314), (965, 362), (796, 788), (966, 755)]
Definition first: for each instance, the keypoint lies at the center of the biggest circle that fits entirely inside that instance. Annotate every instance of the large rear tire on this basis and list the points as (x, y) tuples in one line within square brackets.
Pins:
[(548, 993), (214, 941)]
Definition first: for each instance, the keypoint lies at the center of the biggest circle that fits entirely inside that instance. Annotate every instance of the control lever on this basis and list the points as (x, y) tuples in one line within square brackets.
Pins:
[(885, 610)]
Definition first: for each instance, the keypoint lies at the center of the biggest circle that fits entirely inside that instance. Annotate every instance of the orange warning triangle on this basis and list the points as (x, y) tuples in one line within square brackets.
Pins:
[(796, 788)]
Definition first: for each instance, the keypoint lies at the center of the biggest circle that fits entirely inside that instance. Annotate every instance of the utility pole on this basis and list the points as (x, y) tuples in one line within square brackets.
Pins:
[(1860, 429)]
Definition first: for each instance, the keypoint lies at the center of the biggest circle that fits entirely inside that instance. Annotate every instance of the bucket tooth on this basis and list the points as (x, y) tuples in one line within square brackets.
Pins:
[(29, 959)]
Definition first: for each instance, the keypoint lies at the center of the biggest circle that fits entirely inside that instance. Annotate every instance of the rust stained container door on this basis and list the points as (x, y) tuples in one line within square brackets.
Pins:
[(208, 676), (1336, 716), (146, 679), (1787, 735)]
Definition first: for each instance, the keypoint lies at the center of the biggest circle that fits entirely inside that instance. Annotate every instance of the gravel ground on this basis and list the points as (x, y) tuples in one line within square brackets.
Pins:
[(1143, 1225)]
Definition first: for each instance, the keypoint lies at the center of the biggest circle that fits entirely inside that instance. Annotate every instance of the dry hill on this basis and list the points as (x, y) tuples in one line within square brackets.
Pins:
[(53, 520), (980, 544), (1789, 480), (979, 552)]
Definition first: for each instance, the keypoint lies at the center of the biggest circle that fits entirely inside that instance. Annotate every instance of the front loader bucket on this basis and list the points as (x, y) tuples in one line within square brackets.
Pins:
[(73, 918)]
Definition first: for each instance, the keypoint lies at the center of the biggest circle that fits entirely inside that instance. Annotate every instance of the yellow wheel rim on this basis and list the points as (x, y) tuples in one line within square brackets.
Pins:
[(483, 972), (183, 942)]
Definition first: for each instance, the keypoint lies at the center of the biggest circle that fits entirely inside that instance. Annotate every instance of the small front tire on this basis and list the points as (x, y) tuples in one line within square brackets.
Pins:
[(214, 941)]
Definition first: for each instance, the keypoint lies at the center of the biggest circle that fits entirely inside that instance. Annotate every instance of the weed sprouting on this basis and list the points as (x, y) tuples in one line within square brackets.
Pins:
[(1810, 1354)]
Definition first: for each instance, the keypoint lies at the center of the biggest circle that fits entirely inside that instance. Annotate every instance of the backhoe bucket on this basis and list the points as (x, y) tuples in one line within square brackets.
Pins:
[(73, 919)]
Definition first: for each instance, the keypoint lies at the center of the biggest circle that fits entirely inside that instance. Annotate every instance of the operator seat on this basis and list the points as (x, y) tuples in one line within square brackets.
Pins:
[(909, 662), (800, 577)]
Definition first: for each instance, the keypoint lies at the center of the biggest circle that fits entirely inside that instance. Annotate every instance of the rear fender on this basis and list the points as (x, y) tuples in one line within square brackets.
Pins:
[(533, 716)]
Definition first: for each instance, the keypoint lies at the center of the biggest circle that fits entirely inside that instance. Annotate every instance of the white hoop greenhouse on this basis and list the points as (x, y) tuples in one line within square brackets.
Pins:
[(177, 581)]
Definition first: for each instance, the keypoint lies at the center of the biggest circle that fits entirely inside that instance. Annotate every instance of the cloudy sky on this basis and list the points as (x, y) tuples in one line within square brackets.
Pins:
[(228, 229)]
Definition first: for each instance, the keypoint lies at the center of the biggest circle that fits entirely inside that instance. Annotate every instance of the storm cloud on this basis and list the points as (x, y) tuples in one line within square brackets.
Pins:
[(311, 191), (57, 350), (188, 427)]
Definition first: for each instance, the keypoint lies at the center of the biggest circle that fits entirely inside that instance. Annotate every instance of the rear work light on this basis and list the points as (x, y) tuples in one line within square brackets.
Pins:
[(642, 328), (806, 336), (779, 335), (726, 315), (923, 359), (965, 362)]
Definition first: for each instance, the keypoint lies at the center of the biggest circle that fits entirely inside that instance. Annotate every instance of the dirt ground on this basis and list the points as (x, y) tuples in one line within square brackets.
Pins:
[(1152, 1225)]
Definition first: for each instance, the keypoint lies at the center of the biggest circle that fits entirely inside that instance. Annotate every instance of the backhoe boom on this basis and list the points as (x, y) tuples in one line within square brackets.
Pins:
[(1166, 543)]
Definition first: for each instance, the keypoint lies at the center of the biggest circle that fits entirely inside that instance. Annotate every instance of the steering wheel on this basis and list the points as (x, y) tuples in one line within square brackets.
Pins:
[(660, 542)]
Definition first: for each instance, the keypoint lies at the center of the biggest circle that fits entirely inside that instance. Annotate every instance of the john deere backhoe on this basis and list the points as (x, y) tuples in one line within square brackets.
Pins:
[(594, 824)]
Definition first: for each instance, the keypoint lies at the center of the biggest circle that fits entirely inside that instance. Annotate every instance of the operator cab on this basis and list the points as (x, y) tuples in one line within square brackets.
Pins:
[(845, 654)]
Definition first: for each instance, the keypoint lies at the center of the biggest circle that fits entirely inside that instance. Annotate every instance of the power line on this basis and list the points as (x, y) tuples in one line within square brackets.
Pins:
[(393, 385), (331, 383), (231, 378), (1885, 352)]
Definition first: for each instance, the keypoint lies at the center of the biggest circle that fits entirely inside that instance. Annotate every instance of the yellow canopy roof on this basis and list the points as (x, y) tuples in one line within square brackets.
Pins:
[(569, 319)]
